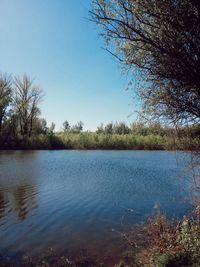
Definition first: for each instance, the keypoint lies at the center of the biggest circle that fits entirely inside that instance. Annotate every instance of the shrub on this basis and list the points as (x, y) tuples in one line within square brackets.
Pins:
[(171, 244)]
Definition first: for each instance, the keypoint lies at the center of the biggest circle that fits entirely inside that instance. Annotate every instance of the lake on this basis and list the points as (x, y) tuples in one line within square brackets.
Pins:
[(75, 202)]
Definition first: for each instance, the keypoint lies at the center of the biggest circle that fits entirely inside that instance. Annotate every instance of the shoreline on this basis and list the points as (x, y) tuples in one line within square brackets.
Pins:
[(95, 141)]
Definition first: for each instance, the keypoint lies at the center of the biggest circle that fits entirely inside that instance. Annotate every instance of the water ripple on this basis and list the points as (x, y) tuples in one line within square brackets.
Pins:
[(71, 200)]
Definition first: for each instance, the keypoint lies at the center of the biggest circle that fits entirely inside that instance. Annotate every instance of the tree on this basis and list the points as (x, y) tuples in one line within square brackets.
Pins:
[(108, 128), (26, 104), (121, 128), (160, 39), (5, 97), (77, 128), (66, 126), (100, 129), (40, 126), (52, 128)]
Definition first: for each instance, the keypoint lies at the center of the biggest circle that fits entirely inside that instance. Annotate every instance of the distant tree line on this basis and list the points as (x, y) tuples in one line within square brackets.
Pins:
[(135, 128), (22, 127), (77, 128), (20, 119)]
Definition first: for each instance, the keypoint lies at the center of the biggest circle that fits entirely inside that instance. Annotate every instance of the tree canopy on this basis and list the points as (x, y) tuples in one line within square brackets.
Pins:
[(5, 97), (19, 109), (160, 38), (26, 100)]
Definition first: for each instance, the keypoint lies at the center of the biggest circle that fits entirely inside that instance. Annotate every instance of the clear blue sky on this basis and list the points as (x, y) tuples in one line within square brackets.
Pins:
[(53, 41)]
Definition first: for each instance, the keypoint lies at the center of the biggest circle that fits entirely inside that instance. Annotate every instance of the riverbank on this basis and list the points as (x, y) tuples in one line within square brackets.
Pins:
[(90, 140), (170, 243), (158, 243)]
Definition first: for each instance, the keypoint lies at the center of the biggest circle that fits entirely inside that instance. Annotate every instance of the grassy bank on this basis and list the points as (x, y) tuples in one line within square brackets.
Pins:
[(90, 140)]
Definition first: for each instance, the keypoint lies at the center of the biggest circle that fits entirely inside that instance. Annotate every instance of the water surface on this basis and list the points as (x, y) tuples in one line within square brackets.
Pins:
[(70, 201)]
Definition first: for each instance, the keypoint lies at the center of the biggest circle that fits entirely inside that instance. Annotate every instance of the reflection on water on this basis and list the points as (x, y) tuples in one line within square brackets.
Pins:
[(17, 193), (19, 200), (3, 204), (71, 200)]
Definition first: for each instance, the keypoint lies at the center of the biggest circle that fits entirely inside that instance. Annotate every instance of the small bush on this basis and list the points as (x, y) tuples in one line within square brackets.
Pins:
[(171, 244)]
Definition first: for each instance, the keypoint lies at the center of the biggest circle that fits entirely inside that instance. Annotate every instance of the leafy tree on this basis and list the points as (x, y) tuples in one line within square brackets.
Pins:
[(5, 97), (40, 126), (139, 128), (77, 128), (52, 128), (26, 104), (9, 130), (121, 128), (66, 126), (161, 39), (100, 129), (108, 128)]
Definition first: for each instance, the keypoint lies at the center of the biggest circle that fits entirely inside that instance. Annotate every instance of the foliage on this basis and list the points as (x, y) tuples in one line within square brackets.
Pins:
[(51, 128), (89, 140), (22, 128), (171, 244), (5, 98), (161, 39), (77, 128), (66, 126), (19, 110), (40, 126), (26, 100)]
